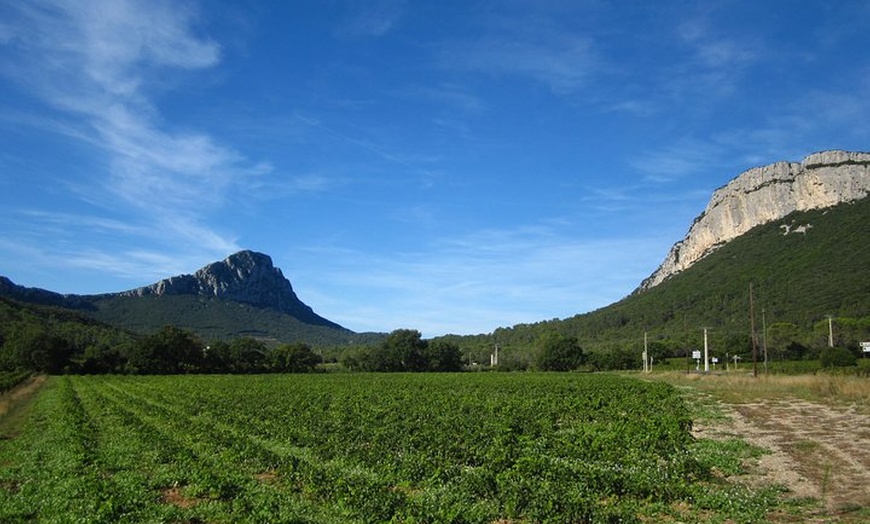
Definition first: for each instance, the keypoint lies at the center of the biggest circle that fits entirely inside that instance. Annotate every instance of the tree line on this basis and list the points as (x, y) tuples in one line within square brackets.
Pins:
[(45, 339), (55, 340)]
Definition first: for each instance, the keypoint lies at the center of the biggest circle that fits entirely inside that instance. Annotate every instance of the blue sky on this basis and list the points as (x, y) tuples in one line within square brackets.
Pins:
[(451, 167)]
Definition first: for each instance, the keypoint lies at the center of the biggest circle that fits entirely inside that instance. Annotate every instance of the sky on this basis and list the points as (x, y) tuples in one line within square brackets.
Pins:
[(446, 166)]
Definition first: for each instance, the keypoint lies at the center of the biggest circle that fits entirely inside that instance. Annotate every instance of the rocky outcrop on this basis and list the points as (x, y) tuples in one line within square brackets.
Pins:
[(248, 277), (765, 194)]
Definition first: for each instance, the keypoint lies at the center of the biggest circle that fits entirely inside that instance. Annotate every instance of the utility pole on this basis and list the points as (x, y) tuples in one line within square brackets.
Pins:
[(754, 338), (830, 331), (764, 340), (645, 354), (706, 360)]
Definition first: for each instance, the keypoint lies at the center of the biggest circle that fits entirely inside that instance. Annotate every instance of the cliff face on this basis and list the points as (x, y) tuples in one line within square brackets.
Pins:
[(765, 194), (247, 277)]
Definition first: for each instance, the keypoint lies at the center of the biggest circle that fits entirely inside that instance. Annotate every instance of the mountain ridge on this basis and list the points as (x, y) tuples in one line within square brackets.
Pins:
[(247, 276), (242, 295), (764, 194)]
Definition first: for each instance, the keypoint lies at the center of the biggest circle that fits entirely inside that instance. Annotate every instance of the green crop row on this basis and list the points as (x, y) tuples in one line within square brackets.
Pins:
[(10, 379), (351, 448)]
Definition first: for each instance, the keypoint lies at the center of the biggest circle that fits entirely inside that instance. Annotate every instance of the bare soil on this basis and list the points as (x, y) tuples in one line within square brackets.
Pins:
[(175, 497), (816, 451), (19, 393), (14, 405)]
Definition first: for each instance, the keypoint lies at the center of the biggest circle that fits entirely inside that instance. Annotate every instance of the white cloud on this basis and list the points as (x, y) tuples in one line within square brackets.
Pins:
[(688, 156), (479, 281), (97, 63), (563, 62), (373, 18)]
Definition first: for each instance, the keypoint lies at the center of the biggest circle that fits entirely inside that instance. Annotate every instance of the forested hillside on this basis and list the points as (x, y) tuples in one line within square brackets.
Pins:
[(802, 269)]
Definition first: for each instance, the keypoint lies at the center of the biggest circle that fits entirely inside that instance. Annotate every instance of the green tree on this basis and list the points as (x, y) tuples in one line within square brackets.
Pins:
[(217, 357), (780, 338), (404, 350), (102, 357), (557, 352), (294, 358), (441, 355), (247, 355), (170, 350)]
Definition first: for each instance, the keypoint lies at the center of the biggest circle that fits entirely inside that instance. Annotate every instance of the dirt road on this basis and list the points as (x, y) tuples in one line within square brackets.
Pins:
[(816, 450)]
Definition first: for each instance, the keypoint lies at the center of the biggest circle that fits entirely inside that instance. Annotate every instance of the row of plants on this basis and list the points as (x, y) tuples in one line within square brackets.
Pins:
[(359, 448), (10, 379)]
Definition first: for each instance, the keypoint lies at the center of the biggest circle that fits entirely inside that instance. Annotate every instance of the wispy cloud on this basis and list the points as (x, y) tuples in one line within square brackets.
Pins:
[(564, 62), (34, 233), (491, 278), (449, 95), (373, 18), (715, 64), (99, 63), (689, 156)]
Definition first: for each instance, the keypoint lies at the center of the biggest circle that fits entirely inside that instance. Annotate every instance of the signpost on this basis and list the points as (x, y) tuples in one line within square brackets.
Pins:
[(865, 348), (697, 356)]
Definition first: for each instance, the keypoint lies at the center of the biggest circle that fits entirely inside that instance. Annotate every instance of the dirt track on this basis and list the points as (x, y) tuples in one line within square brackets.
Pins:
[(816, 450), (13, 397)]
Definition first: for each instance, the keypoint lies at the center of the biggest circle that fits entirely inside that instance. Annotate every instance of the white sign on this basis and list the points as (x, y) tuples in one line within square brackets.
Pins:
[(696, 354), (715, 360), (865, 346)]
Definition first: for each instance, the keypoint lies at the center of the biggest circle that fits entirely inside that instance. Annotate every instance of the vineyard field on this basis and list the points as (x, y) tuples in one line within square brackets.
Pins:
[(347, 448)]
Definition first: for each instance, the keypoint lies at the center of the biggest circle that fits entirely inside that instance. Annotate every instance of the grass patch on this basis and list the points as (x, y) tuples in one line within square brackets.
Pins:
[(734, 388), (726, 457)]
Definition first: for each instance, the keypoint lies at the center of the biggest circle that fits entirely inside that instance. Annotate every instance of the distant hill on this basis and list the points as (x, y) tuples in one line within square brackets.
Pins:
[(243, 295), (765, 194), (52, 339), (803, 266)]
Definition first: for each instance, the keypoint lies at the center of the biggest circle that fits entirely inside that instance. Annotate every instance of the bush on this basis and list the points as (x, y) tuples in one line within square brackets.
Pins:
[(836, 357), (559, 353)]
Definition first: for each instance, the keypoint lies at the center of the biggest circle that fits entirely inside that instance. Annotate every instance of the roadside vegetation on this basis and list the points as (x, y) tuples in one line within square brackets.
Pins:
[(835, 387), (809, 433)]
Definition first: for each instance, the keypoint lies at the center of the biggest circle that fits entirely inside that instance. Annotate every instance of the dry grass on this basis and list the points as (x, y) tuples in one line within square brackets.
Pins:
[(814, 428), (15, 403), (741, 388)]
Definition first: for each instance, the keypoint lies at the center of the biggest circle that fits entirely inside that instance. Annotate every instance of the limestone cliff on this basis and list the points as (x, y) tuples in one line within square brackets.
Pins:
[(247, 277), (764, 194)]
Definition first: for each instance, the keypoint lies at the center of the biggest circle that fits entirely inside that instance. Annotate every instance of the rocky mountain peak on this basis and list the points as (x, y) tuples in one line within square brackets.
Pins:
[(764, 194), (248, 277)]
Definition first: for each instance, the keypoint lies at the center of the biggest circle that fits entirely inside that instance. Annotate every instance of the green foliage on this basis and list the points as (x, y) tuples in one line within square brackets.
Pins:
[(797, 278), (49, 339), (217, 319), (53, 340), (794, 367), (559, 353), (294, 358), (247, 355), (404, 350), (171, 350), (440, 355), (332, 448), (836, 357), (10, 379)]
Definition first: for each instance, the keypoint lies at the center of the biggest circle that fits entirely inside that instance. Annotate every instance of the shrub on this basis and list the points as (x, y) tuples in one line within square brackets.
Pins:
[(836, 357)]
